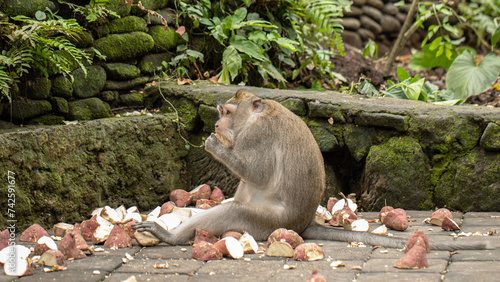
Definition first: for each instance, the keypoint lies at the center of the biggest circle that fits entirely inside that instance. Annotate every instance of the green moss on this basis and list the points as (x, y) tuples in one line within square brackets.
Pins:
[(126, 46), (325, 139), (87, 109), (209, 116), (187, 110), (62, 87), (48, 120), (164, 40), (296, 106), (22, 109), (39, 88), (127, 24)]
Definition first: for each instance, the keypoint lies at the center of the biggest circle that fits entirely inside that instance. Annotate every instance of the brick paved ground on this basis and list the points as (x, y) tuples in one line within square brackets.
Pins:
[(361, 264)]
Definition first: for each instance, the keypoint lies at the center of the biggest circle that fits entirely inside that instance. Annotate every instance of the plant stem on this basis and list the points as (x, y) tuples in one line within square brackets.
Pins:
[(402, 37)]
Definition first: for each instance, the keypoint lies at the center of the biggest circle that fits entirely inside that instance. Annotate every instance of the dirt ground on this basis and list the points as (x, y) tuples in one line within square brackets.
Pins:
[(353, 66)]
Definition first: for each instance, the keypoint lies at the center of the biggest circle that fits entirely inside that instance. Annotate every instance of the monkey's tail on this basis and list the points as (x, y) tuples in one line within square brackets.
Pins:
[(319, 232)]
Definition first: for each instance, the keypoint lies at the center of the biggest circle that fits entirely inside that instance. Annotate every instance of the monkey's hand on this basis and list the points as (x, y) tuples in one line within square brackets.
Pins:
[(153, 228), (213, 144)]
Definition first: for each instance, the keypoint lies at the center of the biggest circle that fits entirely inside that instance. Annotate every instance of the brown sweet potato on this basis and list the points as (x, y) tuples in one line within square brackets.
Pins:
[(289, 236), (438, 216), (206, 204), (44, 244), (181, 198), (68, 247), (449, 224), (201, 192), (231, 247), (118, 238), (61, 229), (416, 236), (249, 244), (308, 252), (331, 202), (4, 239), (234, 234), (87, 229), (205, 251), (416, 257), (396, 219), (279, 249), (316, 277), (167, 207), (33, 233), (217, 195), (383, 212), (51, 258), (201, 235)]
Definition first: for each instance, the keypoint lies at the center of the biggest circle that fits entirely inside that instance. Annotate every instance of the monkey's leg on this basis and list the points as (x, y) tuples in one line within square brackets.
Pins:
[(257, 220)]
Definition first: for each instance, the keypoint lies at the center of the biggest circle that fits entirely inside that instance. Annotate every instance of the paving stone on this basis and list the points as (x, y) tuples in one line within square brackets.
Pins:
[(383, 253), (66, 275), (472, 276), (239, 267), (257, 277), (145, 265), (150, 277), (398, 276), (166, 252), (476, 255), (476, 266), (387, 265), (342, 251)]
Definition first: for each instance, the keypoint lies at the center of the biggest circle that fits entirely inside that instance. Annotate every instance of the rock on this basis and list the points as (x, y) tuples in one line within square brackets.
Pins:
[(392, 121), (167, 14), (47, 120), (22, 109), (164, 40), (326, 139), (366, 34), (82, 40), (152, 5), (59, 105), (352, 38), (101, 31), (86, 109), (39, 88), (89, 85), (17, 7), (359, 3), (401, 17), (62, 87), (379, 4), (131, 99), (127, 24), (490, 140), (126, 84), (354, 13), (109, 95), (120, 71), (209, 115), (470, 182), (370, 24), (321, 110), (390, 24), (390, 9), (118, 7), (372, 12), (351, 23), (396, 172), (359, 139), (296, 106), (152, 62), (126, 46)]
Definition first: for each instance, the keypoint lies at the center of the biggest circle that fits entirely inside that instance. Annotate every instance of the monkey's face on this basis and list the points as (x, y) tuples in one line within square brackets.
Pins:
[(224, 126)]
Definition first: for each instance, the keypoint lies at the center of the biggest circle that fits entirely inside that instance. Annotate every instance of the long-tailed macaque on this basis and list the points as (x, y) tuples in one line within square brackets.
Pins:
[(279, 163)]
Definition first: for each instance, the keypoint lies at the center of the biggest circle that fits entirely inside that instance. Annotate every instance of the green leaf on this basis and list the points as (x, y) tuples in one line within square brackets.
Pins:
[(413, 90), (238, 17), (287, 43), (464, 78), (402, 74), (231, 60), (435, 43), (272, 71), (495, 37), (250, 48)]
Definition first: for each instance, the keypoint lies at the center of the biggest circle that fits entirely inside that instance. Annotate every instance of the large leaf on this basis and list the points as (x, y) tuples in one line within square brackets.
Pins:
[(413, 90), (464, 78), (231, 61), (249, 48)]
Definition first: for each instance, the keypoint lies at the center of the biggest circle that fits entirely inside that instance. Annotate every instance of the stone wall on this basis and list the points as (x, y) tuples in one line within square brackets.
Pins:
[(63, 172), (134, 46), (411, 154)]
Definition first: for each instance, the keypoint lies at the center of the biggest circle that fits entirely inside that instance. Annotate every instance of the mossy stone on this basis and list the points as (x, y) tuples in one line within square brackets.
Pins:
[(62, 87), (121, 71), (152, 63), (324, 137), (118, 7), (296, 106), (471, 182), (209, 116), (167, 14), (165, 40), (39, 88), (48, 120), (59, 105), (127, 24), (491, 137), (86, 109), (126, 46), (24, 7), (321, 110), (82, 40), (396, 172), (109, 95), (359, 139), (187, 110), (152, 5), (22, 109), (126, 84), (131, 99), (89, 85)]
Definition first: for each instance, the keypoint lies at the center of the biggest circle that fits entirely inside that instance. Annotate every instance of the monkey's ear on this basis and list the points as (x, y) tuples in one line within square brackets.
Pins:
[(257, 105)]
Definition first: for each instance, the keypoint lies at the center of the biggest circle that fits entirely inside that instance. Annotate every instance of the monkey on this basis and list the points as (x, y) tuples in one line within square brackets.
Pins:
[(282, 179)]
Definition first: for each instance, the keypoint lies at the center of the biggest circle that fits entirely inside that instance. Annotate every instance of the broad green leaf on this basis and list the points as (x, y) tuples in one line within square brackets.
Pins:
[(402, 74), (368, 89), (231, 60), (287, 43), (427, 59), (495, 37), (272, 71), (413, 90), (435, 43), (464, 78), (257, 35), (238, 17), (250, 48)]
